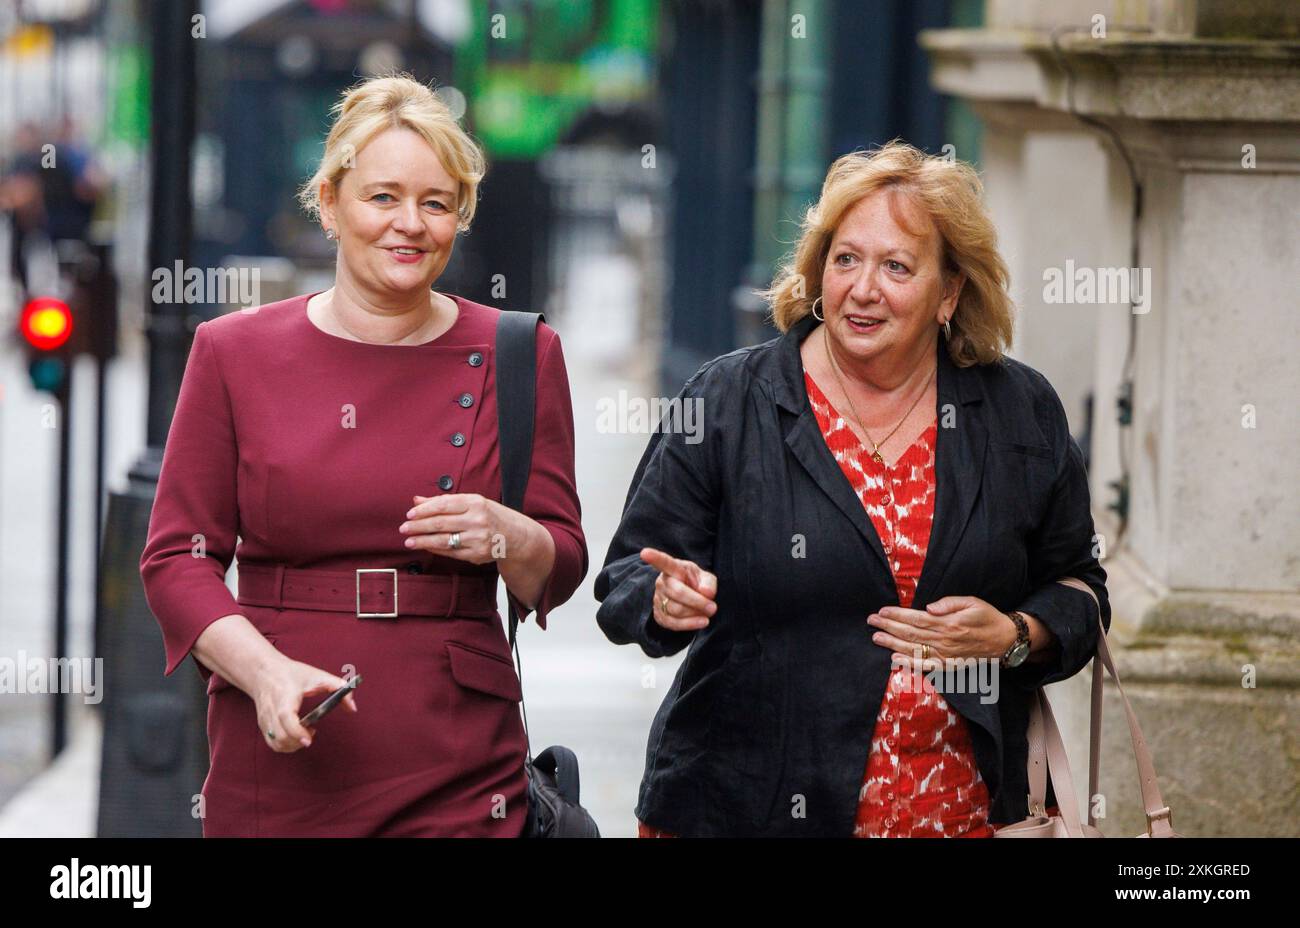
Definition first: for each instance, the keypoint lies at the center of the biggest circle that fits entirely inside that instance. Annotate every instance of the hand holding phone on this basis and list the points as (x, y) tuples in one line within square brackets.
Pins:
[(330, 702)]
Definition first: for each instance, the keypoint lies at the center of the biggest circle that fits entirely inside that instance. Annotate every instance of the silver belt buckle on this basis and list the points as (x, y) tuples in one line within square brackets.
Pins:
[(376, 615)]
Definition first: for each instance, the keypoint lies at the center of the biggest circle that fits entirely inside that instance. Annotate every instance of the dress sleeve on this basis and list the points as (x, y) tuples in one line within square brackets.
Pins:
[(552, 495), (195, 518), (672, 505), (1062, 546)]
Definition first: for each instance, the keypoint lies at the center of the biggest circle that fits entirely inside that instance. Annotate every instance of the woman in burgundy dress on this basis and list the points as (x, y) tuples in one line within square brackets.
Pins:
[(348, 438), (882, 493)]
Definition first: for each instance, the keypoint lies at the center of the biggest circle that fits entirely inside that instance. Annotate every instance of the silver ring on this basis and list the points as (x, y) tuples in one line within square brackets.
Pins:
[(271, 735), (455, 540)]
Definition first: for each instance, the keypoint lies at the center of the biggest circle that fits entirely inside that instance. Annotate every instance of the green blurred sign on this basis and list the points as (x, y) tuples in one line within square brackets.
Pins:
[(128, 94), (530, 69)]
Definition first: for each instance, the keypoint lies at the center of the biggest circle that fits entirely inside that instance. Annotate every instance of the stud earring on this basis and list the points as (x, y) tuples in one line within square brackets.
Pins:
[(331, 234)]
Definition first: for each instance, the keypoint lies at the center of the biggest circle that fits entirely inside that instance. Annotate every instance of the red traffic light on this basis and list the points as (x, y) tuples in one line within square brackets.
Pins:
[(46, 323)]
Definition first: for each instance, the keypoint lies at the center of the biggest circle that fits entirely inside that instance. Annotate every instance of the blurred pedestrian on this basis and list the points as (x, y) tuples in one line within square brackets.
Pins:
[(22, 199), (73, 185), (50, 191)]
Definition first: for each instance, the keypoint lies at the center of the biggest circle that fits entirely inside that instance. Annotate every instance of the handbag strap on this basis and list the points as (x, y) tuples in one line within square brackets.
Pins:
[(516, 389), (1049, 743), (1045, 738)]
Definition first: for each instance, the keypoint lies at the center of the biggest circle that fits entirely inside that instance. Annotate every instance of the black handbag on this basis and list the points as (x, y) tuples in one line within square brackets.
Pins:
[(553, 786)]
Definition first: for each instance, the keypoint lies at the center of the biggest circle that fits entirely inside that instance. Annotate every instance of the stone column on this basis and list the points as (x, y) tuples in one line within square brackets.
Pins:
[(1203, 97)]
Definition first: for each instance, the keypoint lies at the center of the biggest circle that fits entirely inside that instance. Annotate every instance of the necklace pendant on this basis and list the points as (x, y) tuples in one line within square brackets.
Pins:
[(876, 456)]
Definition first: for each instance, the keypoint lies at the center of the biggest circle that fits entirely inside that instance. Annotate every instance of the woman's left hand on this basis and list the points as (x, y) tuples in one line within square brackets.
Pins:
[(483, 526), (952, 627)]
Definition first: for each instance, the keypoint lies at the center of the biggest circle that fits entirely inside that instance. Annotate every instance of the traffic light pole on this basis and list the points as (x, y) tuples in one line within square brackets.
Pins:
[(59, 732), (47, 330), (101, 423), (55, 333), (96, 293)]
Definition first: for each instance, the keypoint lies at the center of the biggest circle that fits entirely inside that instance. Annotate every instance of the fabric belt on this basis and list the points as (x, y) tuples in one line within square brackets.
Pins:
[(368, 593)]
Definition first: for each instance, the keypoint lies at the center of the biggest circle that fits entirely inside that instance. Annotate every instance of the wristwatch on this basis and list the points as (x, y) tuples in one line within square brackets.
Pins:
[(1019, 649)]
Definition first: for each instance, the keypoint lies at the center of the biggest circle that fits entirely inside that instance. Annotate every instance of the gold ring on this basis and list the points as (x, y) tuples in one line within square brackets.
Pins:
[(663, 604), (925, 651)]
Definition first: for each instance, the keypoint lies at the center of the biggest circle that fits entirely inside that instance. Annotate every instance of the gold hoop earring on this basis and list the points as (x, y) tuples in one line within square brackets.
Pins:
[(814, 310)]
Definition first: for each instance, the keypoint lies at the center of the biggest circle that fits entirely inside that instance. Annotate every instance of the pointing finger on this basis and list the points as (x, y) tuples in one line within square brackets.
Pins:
[(664, 563)]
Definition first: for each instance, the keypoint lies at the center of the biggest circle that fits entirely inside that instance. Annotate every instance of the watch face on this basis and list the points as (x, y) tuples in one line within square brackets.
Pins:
[(1018, 654)]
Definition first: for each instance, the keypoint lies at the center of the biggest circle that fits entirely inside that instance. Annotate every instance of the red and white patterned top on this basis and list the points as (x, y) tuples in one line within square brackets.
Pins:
[(921, 778)]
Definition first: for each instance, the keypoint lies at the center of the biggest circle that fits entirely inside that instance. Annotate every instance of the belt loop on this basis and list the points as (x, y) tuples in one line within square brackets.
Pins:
[(277, 586), (455, 596)]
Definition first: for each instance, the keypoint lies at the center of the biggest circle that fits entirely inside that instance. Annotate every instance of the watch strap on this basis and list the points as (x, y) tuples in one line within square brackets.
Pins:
[(1022, 634)]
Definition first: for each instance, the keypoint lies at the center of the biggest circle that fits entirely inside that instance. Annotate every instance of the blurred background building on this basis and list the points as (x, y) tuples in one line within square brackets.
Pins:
[(648, 164)]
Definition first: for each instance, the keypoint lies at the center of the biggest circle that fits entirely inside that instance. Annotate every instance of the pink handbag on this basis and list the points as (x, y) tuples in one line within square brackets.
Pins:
[(1047, 757)]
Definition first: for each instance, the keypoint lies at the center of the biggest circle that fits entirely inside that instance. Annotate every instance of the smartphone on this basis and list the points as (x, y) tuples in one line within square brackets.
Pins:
[(332, 700)]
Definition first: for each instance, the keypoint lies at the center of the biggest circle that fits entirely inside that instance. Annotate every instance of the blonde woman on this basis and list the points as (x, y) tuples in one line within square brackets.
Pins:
[(349, 438), (881, 484)]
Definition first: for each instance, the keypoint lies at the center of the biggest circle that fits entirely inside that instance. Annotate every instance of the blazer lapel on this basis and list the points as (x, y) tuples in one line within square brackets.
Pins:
[(959, 456), (809, 447), (961, 443), (804, 438), (960, 446)]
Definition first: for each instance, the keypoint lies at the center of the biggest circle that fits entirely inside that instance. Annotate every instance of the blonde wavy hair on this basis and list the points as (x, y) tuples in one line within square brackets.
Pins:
[(951, 194), (396, 100)]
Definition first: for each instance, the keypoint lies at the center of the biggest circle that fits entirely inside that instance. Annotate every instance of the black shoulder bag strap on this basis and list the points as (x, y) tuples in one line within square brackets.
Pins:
[(516, 389), (553, 784)]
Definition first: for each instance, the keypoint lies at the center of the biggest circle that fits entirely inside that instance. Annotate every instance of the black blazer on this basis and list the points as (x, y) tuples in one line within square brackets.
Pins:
[(772, 711)]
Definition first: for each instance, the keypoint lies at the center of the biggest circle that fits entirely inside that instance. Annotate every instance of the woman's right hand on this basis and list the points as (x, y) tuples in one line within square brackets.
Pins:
[(279, 694), (684, 592)]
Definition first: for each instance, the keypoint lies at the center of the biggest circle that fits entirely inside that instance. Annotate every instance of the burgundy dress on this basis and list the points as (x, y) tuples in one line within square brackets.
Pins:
[(309, 447)]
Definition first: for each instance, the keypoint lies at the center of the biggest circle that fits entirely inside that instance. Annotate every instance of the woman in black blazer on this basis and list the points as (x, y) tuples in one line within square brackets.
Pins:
[(758, 543)]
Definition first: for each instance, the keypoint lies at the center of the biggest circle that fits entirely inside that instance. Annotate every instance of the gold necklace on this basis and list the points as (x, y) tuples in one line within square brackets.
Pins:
[(875, 446)]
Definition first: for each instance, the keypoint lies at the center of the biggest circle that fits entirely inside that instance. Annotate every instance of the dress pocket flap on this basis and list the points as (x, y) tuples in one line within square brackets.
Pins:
[(485, 672), (217, 683)]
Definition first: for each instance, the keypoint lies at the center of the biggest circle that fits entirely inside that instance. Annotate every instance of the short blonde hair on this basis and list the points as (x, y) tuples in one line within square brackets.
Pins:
[(397, 100), (951, 194)]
